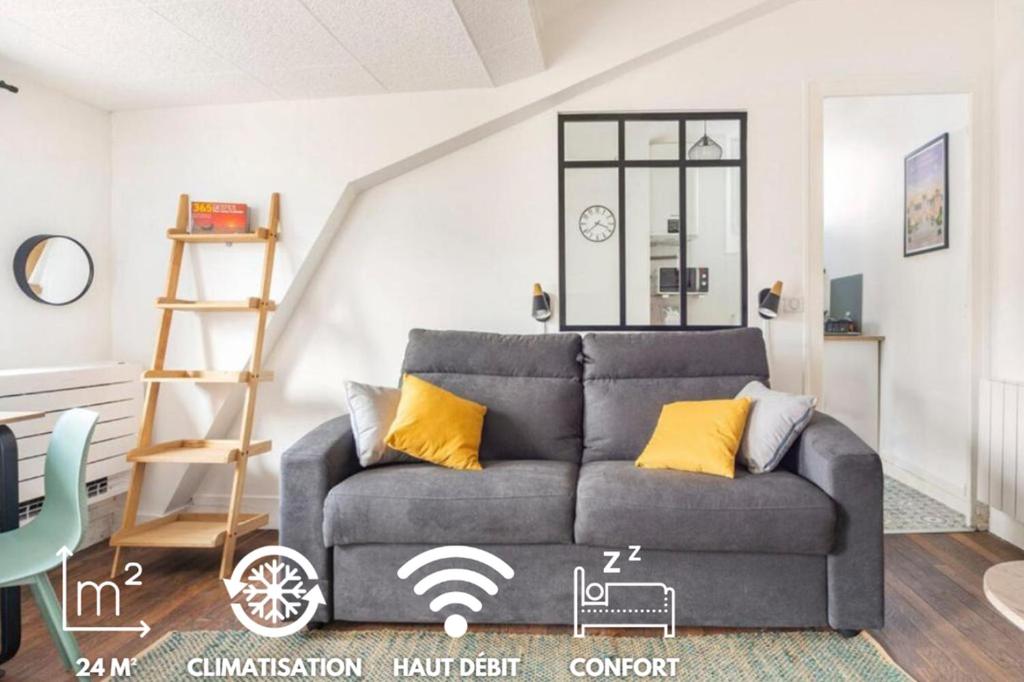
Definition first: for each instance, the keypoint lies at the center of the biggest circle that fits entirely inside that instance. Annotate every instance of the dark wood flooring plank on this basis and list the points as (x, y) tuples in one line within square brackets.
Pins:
[(906, 643), (993, 548), (967, 660), (1004, 646)]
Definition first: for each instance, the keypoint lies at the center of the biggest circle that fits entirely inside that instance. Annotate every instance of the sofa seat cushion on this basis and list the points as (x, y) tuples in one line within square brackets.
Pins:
[(619, 505), (508, 502)]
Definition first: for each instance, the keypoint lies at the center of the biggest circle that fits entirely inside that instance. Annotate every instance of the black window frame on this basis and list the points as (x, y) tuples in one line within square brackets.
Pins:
[(621, 164)]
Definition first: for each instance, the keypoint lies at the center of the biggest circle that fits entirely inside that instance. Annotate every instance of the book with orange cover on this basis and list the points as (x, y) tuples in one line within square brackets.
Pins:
[(210, 217)]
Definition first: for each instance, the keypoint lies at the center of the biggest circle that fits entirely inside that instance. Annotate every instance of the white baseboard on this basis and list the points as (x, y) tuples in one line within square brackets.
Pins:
[(267, 504), (927, 484), (1006, 527), (144, 516)]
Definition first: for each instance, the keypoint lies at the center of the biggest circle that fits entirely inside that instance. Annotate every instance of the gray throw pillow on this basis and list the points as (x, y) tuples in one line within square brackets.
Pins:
[(372, 409), (775, 421)]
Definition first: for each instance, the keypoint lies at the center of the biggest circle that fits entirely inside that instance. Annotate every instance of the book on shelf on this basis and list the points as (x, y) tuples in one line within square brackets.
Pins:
[(214, 217)]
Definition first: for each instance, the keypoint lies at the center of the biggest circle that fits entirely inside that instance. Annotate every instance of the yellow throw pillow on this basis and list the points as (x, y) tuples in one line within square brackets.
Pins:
[(436, 425), (701, 436)]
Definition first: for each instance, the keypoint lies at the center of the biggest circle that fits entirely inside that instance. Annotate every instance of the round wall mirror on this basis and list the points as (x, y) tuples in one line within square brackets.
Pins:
[(53, 269)]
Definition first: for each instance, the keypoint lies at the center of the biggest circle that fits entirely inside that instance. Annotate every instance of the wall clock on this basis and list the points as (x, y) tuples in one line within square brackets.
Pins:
[(597, 223)]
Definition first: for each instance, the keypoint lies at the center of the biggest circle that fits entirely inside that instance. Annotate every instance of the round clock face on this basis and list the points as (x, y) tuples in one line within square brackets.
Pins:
[(597, 223)]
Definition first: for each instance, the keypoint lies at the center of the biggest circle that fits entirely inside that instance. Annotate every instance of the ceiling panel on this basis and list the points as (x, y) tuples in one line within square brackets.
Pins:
[(53, 65), (506, 37), (138, 53), (127, 39), (14, 7), (406, 45), (492, 23), (319, 81), (222, 88), (514, 60), (550, 11), (262, 35)]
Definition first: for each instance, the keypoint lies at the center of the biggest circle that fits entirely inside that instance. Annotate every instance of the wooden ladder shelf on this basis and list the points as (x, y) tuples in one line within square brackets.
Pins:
[(188, 529)]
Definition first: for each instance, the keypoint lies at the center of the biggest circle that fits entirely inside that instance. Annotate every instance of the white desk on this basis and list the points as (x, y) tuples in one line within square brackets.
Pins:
[(850, 383)]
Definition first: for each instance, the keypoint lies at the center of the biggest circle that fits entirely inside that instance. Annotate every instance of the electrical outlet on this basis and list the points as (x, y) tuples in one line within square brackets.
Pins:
[(792, 304)]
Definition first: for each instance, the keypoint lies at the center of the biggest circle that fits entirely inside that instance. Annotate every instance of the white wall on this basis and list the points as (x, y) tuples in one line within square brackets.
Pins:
[(458, 242), (919, 304), (1006, 361), (54, 179)]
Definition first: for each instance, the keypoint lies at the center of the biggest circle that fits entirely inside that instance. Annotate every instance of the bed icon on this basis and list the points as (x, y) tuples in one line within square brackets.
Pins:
[(621, 605)]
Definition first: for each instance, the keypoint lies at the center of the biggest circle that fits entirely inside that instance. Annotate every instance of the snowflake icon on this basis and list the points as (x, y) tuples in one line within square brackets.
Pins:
[(278, 591), (274, 591)]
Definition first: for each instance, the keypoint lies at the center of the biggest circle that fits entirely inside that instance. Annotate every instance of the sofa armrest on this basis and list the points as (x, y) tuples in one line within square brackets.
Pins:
[(832, 457), (309, 469)]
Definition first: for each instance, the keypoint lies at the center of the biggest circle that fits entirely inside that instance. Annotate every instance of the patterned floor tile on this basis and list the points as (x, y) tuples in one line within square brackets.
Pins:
[(910, 511)]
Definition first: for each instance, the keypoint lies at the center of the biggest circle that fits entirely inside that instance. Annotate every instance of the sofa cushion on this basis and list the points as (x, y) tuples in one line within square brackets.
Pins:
[(628, 378), (510, 502), (530, 384), (699, 436), (372, 409), (620, 505), (437, 426), (776, 420)]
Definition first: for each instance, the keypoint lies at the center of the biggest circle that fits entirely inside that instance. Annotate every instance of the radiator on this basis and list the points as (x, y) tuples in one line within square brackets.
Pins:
[(113, 390), (1000, 441)]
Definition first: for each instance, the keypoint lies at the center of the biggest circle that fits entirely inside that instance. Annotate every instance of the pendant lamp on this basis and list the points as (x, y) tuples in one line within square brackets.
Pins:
[(705, 149)]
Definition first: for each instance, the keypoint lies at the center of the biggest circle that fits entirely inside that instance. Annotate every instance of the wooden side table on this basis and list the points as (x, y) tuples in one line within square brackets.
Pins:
[(10, 598), (1004, 587)]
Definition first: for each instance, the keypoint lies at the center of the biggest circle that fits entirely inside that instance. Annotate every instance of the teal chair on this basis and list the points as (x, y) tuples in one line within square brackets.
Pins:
[(26, 554)]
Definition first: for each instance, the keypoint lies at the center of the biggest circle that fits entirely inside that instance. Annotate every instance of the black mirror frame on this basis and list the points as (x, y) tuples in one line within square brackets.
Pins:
[(21, 259)]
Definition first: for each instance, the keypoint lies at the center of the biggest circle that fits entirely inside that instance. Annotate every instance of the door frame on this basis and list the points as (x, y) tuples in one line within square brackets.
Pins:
[(978, 90)]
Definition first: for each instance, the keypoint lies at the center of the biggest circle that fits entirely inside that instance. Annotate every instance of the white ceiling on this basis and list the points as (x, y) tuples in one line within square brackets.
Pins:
[(123, 54)]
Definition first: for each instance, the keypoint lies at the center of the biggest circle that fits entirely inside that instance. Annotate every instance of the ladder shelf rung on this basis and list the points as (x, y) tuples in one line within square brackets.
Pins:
[(197, 451), (250, 305), (259, 235), (203, 376), (182, 529)]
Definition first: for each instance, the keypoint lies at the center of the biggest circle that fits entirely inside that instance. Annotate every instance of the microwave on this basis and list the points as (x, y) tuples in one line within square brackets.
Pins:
[(668, 280), (696, 280)]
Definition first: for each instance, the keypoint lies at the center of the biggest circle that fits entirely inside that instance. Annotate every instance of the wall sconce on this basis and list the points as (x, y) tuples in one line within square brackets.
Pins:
[(541, 304), (768, 301), (541, 308)]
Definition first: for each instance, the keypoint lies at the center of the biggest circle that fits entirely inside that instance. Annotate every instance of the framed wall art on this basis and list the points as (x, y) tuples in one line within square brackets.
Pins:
[(926, 197)]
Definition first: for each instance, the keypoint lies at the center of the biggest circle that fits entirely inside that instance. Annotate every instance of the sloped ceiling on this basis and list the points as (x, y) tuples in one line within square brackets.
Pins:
[(122, 54)]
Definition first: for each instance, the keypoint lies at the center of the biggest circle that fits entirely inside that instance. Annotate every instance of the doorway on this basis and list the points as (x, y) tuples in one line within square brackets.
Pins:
[(896, 355)]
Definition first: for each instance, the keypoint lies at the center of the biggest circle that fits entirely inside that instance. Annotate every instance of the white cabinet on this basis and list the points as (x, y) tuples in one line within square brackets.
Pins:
[(850, 387)]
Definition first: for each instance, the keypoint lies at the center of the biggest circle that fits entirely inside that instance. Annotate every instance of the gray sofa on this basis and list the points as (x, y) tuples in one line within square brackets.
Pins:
[(798, 547)]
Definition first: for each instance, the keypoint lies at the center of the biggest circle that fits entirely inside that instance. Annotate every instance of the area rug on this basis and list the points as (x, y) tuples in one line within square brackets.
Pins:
[(909, 511), (769, 655)]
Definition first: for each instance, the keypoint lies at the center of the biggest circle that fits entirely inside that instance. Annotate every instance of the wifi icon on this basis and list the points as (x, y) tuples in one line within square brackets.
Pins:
[(455, 624)]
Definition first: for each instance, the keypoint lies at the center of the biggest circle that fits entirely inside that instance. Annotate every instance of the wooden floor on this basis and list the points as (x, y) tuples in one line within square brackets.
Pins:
[(938, 627)]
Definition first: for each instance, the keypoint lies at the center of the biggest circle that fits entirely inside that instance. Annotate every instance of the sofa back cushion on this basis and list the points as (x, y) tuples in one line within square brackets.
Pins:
[(530, 384), (627, 378)]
